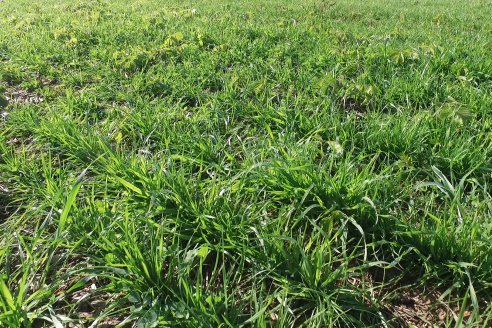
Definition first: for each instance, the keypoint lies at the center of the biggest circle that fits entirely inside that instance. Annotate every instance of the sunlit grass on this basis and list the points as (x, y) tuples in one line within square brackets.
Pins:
[(245, 163)]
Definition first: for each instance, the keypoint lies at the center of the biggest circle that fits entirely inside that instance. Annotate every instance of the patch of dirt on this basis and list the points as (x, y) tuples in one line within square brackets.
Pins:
[(354, 106), (418, 308), (20, 96), (89, 303), (405, 303)]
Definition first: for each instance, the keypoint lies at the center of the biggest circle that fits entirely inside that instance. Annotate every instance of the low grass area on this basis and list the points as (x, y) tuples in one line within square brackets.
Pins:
[(245, 163)]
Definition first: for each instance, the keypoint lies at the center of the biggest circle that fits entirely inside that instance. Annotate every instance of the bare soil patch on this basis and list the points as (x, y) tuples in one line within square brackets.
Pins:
[(20, 96)]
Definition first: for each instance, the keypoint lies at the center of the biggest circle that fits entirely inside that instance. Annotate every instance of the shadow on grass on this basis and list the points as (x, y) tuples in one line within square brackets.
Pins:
[(5, 209)]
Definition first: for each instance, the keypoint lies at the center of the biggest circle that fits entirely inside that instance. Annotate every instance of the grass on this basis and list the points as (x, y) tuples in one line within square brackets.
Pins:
[(245, 163)]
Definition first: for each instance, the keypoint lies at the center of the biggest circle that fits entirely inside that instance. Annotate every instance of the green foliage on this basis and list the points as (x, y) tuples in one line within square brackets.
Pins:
[(245, 163)]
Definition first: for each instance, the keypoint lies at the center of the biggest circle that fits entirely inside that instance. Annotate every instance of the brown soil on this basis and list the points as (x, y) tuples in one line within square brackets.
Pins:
[(20, 96)]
